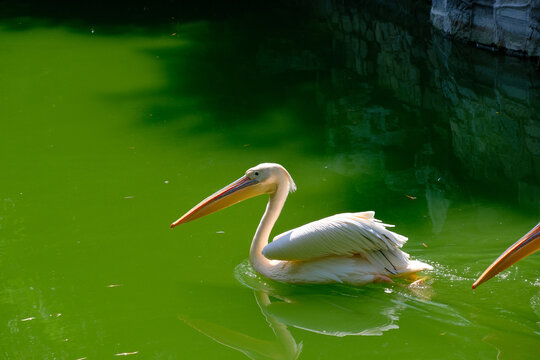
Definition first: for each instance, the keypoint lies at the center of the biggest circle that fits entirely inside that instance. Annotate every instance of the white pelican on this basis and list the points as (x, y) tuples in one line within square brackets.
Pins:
[(525, 246), (352, 248)]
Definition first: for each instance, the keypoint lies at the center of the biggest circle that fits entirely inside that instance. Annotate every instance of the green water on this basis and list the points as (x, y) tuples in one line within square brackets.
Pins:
[(109, 133)]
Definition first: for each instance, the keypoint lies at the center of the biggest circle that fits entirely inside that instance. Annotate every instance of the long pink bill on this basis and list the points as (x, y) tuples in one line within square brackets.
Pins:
[(231, 194), (525, 246)]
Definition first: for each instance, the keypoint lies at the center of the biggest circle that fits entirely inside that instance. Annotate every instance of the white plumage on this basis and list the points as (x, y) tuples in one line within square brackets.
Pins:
[(339, 235), (350, 248)]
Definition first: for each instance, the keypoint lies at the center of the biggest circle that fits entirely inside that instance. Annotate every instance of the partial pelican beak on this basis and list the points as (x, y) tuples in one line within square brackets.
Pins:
[(242, 189), (525, 246)]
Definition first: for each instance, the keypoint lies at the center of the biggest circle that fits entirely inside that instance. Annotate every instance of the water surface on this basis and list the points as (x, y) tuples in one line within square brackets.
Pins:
[(111, 132)]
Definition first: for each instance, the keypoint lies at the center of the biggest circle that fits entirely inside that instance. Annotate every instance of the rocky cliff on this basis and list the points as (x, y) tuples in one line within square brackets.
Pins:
[(512, 25), (464, 114)]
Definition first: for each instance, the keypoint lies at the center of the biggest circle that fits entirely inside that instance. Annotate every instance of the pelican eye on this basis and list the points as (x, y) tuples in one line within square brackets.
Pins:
[(256, 173)]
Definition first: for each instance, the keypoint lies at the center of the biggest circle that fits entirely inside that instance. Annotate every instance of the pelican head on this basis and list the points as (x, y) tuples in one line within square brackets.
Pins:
[(525, 246), (262, 179)]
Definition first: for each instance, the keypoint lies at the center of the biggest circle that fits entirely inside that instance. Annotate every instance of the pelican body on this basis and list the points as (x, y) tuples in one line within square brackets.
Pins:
[(352, 248)]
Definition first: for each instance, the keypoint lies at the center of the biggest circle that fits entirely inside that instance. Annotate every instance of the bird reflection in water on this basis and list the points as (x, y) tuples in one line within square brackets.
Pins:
[(284, 346), (331, 310)]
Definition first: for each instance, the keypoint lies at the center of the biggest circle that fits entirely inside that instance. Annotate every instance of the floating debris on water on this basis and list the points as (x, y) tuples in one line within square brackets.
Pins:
[(411, 197), (127, 353), (28, 319), (114, 285), (220, 232)]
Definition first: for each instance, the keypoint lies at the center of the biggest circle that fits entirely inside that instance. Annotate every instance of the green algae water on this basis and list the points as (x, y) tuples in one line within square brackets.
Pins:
[(110, 129)]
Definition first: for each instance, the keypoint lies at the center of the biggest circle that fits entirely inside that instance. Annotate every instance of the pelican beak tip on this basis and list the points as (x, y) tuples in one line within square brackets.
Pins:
[(525, 246)]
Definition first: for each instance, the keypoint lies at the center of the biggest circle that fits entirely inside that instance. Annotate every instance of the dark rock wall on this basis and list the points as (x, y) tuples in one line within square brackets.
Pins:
[(505, 24), (464, 114)]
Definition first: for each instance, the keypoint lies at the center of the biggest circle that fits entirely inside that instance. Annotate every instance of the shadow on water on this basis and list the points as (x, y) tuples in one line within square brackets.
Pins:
[(369, 85), (217, 80), (222, 76), (150, 16)]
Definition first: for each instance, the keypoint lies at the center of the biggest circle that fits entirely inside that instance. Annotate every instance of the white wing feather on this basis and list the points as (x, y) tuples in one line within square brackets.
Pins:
[(339, 235)]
